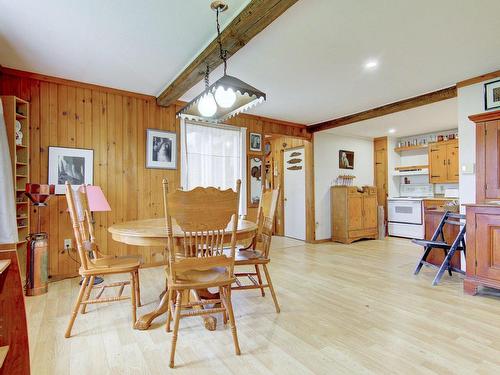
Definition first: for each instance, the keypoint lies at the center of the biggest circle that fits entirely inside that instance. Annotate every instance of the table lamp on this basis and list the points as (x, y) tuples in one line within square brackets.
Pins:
[(97, 203)]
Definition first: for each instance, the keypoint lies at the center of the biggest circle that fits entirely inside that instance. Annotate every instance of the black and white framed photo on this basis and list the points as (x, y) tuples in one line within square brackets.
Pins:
[(75, 165), (256, 142), (492, 95), (346, 159), (161, 149)]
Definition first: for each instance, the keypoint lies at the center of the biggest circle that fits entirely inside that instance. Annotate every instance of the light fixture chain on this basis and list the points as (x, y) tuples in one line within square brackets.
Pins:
[(222, 51), (207, 75)]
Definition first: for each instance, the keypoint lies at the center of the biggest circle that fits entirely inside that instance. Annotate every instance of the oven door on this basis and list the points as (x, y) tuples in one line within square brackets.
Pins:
[(405, 211)]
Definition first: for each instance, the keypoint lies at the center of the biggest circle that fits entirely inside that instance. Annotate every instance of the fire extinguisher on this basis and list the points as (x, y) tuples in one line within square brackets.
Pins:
[(37, 256)]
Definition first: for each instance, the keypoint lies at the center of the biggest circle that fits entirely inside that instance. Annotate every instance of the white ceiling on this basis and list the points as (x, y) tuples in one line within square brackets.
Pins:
[(425, 119), (309, 61), (135, 45)]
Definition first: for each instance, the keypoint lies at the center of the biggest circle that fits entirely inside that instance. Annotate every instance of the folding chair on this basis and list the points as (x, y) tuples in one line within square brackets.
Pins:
[(439, 242)]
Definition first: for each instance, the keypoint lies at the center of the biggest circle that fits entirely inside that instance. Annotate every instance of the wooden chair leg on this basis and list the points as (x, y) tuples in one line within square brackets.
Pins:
[(169, 311), (138, 289), (224, 314), (134, 303), (76, 307), (229, 304), (259, 278), (271, 288), (87, 294), (177, 318)]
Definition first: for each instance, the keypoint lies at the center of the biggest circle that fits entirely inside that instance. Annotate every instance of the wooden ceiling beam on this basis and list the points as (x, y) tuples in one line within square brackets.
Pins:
[(256, 16), (402, 105)]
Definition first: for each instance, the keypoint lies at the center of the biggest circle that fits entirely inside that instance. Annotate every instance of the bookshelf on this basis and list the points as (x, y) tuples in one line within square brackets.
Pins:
[(17, 110)]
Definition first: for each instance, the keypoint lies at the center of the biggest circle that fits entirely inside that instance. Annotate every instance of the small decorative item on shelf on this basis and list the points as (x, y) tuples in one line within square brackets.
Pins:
[(19, 133), (344, 180)]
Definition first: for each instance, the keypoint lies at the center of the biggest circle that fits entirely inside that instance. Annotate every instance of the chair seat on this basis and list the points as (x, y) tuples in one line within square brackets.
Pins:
[(242, 257), (206, 278), (437, 244), (110, 265)]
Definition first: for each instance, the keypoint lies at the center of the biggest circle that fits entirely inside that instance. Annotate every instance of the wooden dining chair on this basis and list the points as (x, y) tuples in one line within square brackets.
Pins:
[(96, 266), (257, 254), (97, 254), (197, 260)]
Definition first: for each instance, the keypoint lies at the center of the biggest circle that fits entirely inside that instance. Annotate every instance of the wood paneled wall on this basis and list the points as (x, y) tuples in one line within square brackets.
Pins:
[(113, 123)]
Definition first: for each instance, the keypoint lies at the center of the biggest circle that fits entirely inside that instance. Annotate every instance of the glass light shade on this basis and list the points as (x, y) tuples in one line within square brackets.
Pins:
[(207, 105), (225, 98)]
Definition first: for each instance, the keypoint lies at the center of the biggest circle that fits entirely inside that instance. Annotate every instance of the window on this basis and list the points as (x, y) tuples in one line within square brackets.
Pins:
[(213, 155)]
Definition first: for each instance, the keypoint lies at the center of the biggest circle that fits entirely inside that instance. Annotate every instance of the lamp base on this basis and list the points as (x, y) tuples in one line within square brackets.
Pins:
[(97, 280)]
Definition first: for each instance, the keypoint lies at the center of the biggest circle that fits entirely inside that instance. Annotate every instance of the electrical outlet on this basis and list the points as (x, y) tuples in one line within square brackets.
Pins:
[(68, 244)]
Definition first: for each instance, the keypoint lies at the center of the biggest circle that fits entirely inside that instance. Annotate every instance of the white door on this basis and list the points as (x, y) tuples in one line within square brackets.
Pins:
[(295, 193)]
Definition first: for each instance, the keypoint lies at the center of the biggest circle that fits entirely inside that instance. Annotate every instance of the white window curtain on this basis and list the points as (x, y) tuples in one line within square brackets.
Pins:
[(8, 226), (213, 155)]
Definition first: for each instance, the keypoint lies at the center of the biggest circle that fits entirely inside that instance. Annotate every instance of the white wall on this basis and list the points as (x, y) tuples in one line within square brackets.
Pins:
[(470, 102), (326, 170)]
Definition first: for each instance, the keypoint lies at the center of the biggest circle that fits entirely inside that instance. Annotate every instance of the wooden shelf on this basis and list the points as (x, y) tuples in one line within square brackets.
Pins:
[(411, 148), (21, 146), (22, 226), (21, 163), (20, 116), (21, 176), (411, 167), (23, 202)]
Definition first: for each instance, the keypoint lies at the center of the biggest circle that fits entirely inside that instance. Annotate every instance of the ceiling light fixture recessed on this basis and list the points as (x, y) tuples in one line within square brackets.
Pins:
[(392, 131), (371, 64)]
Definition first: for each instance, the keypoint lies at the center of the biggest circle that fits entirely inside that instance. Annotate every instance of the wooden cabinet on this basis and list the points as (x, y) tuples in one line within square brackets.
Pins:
[(483, 247), (487, 156), (354, 213), (432, 218), (443, 162)]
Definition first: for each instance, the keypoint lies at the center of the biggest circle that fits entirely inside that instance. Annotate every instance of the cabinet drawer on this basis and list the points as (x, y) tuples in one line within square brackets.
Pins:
[(363, 233)]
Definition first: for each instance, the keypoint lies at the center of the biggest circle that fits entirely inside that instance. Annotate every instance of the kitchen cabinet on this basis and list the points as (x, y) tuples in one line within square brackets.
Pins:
[(487, 156), (443, 162), (483, 247), (354, 213), (432, 218)]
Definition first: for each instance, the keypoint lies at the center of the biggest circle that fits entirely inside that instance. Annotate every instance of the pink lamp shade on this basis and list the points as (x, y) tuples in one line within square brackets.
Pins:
[(96, 198)]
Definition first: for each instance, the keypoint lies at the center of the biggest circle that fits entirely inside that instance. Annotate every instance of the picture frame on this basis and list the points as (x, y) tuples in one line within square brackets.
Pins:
[(161, 149), (492, 95), (346, 159), (254, 180), (75, 165), (255, 142)]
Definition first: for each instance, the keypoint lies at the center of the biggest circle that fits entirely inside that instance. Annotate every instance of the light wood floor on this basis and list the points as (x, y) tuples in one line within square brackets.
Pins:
[(345, 309)]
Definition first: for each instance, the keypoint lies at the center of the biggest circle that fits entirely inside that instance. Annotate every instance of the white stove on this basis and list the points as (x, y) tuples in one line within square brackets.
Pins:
[(406, 217)]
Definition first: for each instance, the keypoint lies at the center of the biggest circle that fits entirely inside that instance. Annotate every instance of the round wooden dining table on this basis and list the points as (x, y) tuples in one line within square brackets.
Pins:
[(153, 232)]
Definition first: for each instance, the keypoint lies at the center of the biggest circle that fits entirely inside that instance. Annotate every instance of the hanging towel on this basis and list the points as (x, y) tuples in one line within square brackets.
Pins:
[(8, 227)]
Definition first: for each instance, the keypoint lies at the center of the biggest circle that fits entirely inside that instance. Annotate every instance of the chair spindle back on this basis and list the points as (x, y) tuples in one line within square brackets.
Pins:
[(265, 217)]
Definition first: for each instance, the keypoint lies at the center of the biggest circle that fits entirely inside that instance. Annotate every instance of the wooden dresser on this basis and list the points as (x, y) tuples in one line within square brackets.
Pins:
[(354, 213), (483, 218)]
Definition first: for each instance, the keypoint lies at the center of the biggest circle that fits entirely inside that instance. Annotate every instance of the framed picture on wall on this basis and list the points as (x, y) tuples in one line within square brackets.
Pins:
[(256, 142), (346, 159), (161, 149), (75, 165), (492, 95)]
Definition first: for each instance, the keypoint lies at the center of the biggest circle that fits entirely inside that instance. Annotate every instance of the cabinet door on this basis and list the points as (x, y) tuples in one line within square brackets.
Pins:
[(355, 214), (438, 165), (488, 246), (452, 156), (370, 211), (492, 159)]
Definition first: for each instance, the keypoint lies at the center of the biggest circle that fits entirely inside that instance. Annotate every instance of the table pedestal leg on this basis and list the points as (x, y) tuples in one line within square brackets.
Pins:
[(209, 321), (144, 322)]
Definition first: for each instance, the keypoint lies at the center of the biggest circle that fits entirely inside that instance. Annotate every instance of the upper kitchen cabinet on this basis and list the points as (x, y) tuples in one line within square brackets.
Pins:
[(443, 162), (487, 156)]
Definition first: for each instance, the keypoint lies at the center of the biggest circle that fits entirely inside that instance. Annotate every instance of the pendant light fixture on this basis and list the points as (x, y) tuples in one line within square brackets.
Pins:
[(225, 98)]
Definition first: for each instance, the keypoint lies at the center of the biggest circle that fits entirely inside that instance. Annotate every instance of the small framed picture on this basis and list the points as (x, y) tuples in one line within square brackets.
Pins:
[(75, 165), (161, 149), (256, 142), (346, 159), (492, 95)]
